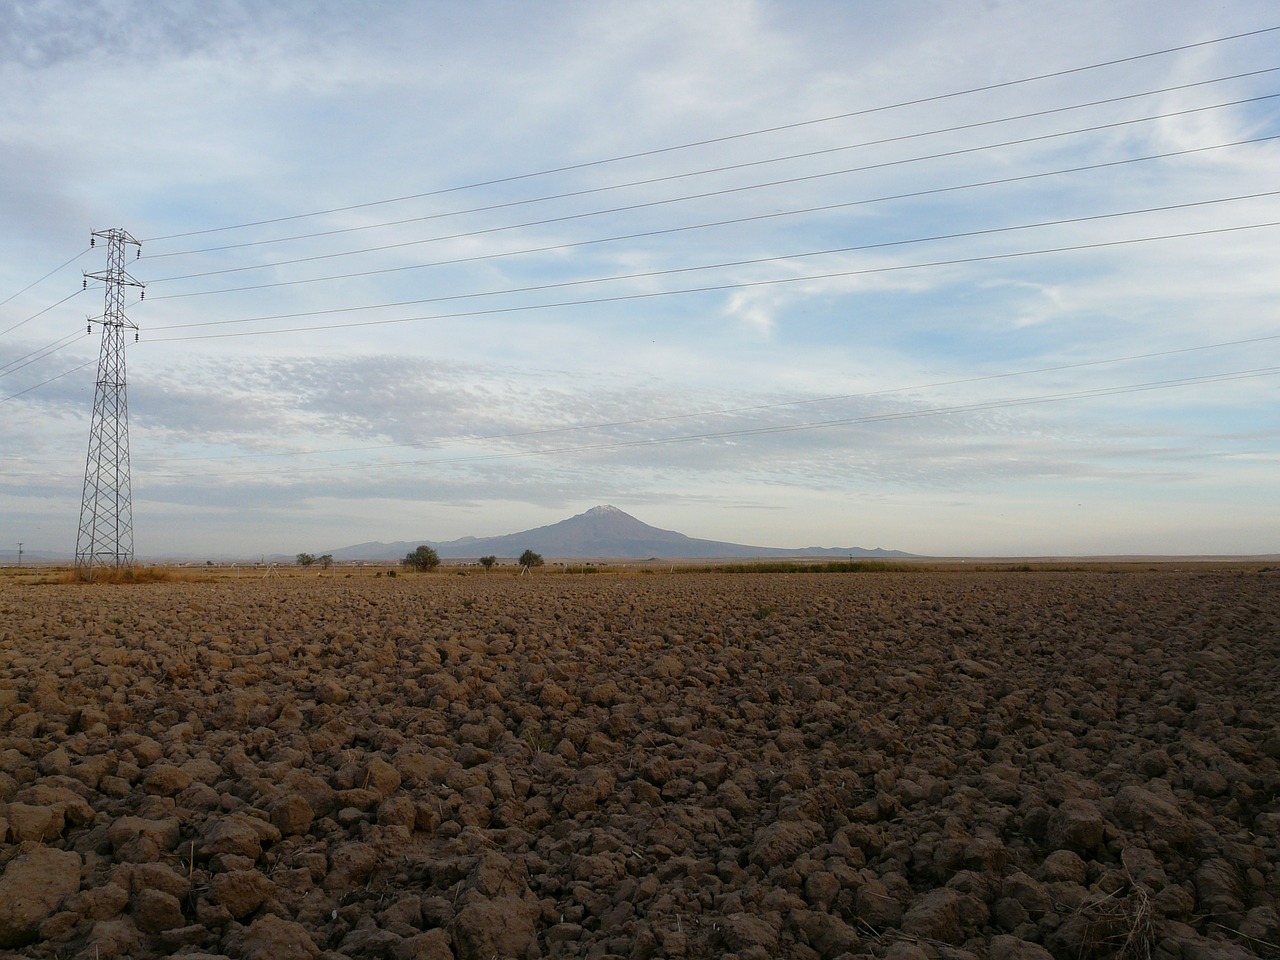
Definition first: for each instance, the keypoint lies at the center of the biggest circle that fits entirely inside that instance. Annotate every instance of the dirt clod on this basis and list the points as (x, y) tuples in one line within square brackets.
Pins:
[(899, 766)]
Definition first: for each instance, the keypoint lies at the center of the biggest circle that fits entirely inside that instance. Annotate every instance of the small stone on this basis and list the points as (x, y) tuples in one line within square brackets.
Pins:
[(158, 876), (187, 936), (782, 842), (239, 835), (382, 777), (1007, 947), (241, 891), (350, 864), (1063, 865), (827, 934), (32, 887), (432, 945), (331, 692), (821, 888), (155, 910), (744, 931), (165, 780), (503, 927), (902, 950), (59, 926), (112, 938), (1158, 817), (273, 938), (1077, 825), (146, 751), (1174, 902), (1030, 894), (100, 903), (876, 907), (603, 694), (35, 823), (398, 811), (368, 942), (70, 804), (936, 916), (292, 815), (594, 785), (1261, 924), (140, 840)]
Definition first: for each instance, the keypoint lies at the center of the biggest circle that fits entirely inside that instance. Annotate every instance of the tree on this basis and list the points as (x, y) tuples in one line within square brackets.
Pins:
[(305, 559), (531, 559), (423, 558), (325, 560), (488, 562)]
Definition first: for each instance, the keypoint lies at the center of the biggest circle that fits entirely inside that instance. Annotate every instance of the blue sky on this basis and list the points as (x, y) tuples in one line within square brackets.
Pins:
[(936, 383)]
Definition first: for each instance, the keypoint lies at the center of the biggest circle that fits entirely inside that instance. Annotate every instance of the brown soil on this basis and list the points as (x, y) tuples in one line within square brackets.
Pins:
[(907, 765)]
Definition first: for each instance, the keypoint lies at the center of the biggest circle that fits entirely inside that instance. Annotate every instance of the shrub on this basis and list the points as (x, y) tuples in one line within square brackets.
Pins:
[(421, 559)]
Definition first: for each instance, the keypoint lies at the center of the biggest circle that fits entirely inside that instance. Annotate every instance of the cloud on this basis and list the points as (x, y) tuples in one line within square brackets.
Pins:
[(200, 116)]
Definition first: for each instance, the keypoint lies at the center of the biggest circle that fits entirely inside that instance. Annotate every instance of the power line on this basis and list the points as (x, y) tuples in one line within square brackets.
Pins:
[(41, 280), (710, 170), (715, 193), (42, 312), (721, 223), (67, 373), (711, 288), (732, 263), (737, 136), (48, 350)]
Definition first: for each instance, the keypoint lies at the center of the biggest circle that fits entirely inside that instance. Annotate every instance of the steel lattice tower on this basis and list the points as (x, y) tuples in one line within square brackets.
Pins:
[(105, 537)]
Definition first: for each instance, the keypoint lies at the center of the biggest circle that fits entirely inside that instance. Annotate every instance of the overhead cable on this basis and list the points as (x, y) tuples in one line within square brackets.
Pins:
[(20, 323), (36, 386), (737, 136), (477, 258), (710, 170), (646, 275), (711, 288), (711, 193), (13, 366), (41, 280)]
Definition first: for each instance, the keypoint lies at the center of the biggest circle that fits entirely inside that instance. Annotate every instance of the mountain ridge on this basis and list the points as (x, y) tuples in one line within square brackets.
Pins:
[(603, 532)]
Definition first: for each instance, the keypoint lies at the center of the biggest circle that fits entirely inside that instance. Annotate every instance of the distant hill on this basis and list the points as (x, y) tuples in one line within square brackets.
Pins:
[(9, 557), (601, 532)]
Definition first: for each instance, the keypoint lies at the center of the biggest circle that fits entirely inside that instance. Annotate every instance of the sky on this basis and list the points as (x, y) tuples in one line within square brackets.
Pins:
[(963, 279)]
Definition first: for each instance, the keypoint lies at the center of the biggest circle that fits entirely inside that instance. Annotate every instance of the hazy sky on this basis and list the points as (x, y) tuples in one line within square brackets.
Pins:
[(773, 272)]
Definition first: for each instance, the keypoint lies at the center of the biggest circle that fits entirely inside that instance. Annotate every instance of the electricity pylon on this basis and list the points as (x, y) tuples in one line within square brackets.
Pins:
[(105, 537)]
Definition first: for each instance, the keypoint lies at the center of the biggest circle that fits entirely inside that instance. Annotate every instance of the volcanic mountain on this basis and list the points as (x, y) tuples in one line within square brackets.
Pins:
[(602, 532)]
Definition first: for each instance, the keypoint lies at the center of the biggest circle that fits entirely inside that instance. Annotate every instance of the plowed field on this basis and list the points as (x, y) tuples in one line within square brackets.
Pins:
[(904, 765)]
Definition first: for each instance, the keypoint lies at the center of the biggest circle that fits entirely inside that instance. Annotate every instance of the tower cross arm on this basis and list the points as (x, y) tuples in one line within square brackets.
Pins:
[(114, 276)]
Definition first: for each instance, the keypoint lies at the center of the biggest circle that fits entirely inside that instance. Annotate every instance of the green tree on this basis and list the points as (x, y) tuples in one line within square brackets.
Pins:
[(422, 559), (325, 560), (531, 559), (305, 559), (488, 562)]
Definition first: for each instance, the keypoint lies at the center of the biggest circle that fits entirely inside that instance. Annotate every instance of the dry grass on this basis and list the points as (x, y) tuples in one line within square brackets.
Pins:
[(129, 575), (1120, 927)]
